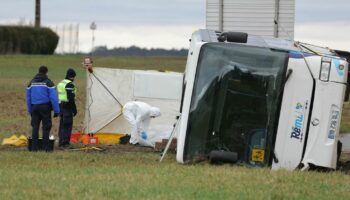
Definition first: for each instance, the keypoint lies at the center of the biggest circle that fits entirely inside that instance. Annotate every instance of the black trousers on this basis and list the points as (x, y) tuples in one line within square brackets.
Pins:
[(66, 124), (41, 113)]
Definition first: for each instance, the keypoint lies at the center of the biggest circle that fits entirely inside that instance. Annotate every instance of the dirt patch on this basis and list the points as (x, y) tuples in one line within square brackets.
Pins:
[(344, 167), (344, 162), (126, 148), (115, 148)]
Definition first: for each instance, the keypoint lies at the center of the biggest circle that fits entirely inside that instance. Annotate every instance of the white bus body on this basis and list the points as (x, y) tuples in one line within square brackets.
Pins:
[(307, 109)]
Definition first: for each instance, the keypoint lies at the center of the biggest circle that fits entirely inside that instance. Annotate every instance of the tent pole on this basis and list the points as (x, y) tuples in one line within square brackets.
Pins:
[(89, 90), (172, 136), (107, 89)]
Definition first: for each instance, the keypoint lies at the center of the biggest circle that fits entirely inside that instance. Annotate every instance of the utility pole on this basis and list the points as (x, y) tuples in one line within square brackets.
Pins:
[(37, 13)]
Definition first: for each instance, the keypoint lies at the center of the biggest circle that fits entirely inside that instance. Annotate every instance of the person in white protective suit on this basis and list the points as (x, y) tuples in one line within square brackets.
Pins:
[(139, 115)]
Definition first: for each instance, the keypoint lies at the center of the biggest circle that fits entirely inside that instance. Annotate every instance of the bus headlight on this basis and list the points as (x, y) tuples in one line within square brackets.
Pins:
[(325, 69)]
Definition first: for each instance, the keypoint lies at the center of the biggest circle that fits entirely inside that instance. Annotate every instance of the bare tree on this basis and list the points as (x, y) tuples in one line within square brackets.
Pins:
[(37, 13)]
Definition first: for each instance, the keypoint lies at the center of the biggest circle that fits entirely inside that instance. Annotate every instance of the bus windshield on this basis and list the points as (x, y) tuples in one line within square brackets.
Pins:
[(235, 102)]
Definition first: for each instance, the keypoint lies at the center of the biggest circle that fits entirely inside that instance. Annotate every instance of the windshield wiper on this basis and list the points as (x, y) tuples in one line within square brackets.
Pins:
[(274, 157), (289, 73)]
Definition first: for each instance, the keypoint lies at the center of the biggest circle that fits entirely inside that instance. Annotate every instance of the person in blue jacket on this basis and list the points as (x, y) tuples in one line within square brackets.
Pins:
[(41, 97)]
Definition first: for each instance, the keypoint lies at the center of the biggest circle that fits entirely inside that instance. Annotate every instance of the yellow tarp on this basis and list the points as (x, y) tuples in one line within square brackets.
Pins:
[(108, 138), (15, 141)]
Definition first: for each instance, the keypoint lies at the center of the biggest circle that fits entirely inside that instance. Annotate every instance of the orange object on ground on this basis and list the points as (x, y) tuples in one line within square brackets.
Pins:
[(75, 137), (87, 139), (102, 138)]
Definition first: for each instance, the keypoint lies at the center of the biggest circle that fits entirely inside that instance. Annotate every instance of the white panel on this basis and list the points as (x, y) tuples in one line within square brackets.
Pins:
[(212, 14), (104, 115), (101, 106), (157, 85), (253, 16), (294, 116), (321, 148), (244, 15), (286, 19)]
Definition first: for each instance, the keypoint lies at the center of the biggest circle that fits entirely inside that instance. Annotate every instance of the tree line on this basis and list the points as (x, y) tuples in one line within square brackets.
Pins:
[(137, 51)]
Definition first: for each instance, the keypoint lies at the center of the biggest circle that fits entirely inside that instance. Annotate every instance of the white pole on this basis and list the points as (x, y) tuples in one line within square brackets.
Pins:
[(70, 46), (93, 40), (93, 28), (76, 48)]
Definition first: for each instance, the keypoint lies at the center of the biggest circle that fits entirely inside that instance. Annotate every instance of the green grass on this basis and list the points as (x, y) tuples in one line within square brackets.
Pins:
[(116, 175), (345, 123), (74, 175)]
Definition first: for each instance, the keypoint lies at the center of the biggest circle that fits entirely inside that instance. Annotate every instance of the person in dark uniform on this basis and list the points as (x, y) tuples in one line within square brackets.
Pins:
[(41, 97), (66, 95)]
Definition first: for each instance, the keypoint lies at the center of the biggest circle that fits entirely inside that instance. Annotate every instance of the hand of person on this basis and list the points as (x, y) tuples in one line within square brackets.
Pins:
[(55, 115), (144, 135)]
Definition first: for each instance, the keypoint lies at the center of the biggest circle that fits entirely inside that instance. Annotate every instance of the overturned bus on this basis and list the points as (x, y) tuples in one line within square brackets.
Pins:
[(266, 101)]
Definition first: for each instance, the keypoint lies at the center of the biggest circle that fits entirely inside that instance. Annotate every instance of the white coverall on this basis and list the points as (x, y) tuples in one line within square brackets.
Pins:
[(139, 115)]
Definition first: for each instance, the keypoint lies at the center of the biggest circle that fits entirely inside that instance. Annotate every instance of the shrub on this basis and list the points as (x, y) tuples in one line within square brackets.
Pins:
[(27, 40)]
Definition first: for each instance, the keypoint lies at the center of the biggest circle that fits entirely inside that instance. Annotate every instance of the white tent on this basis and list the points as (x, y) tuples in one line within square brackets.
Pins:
[(109, 89)]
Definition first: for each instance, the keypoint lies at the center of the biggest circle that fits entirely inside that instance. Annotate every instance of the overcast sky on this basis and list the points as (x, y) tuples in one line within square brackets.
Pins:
[(169, 23)]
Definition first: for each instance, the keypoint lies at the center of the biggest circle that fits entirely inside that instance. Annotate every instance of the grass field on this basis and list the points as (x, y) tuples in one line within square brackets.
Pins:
[(65, 175), (122, 175), (17, 71)]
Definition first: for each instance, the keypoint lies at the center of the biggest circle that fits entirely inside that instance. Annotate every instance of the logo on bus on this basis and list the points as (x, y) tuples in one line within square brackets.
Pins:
[(334, 118), (297, 127)]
